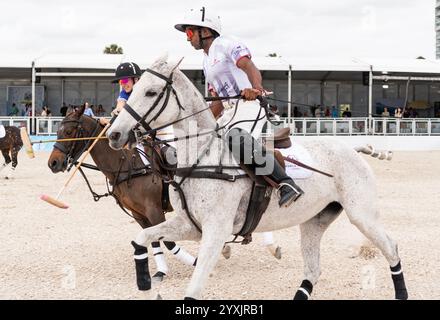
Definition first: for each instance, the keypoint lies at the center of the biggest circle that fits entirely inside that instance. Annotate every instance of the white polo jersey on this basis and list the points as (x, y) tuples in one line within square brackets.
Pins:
[(220, 66)]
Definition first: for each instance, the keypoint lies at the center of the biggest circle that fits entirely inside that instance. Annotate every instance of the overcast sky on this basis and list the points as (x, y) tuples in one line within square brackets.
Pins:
[(292, 28)]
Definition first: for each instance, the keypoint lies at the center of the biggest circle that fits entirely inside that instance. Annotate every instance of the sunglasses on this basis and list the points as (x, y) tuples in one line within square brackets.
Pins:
[(124, 80), (189, 33)]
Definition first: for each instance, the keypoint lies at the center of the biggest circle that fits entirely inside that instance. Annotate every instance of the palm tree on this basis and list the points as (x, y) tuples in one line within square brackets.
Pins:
[(113, 49)]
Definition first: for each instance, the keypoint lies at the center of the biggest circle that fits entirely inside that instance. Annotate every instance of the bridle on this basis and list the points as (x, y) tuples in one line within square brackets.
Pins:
[(71, 155), (167, 89)]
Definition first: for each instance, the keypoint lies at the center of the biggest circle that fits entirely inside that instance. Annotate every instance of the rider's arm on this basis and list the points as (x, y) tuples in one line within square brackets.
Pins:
[(252, 72), (216, 106), (119, 106)]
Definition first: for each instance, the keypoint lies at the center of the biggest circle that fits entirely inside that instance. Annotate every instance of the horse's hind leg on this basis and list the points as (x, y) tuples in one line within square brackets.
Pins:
[(270, 245), (7, 159), (311, 234), (14, 154), (365, 218)]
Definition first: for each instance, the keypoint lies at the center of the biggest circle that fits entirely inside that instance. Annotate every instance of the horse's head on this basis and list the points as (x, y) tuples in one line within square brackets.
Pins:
[(154, 102), (74, 125)]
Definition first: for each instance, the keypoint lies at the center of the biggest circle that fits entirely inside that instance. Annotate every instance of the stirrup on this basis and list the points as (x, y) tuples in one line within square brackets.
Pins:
[(293, 198)]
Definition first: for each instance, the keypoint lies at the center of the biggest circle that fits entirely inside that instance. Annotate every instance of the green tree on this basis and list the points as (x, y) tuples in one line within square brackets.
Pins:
[(113, 49)]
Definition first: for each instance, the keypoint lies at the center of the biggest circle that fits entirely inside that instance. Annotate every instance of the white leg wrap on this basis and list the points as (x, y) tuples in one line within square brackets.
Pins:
[(159, 258), (183, 256), (268, 238)]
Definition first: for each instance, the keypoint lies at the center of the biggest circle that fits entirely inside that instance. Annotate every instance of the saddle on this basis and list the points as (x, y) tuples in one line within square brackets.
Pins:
[(261, 189), (281, 139)]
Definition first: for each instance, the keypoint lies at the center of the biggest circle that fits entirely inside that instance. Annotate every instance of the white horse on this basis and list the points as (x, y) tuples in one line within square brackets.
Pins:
[(218, 207)]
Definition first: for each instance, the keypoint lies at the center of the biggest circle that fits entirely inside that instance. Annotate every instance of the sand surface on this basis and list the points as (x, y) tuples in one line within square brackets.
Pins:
[(85, 253)]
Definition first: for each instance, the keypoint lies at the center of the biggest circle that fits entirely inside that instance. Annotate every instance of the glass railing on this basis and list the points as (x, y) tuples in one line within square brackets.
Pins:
[(360, 126), (16, 121), (298, 126)]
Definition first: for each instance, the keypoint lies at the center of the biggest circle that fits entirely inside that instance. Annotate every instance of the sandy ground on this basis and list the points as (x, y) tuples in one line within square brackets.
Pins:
[(85, 253)]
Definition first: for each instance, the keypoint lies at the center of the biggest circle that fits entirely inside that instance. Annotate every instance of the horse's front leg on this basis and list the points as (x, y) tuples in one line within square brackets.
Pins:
[(215, 233), (7, 159), (175, 229)]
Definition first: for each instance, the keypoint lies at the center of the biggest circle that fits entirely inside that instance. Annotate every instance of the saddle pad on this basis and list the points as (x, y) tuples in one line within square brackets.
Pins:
[(2, 131), (299, 153)]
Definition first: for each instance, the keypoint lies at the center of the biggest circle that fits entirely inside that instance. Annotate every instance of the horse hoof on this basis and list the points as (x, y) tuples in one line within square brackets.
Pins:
[(300, 296), (158, 277), (226, 252), (277, 254), (402, 295), (159, 297)]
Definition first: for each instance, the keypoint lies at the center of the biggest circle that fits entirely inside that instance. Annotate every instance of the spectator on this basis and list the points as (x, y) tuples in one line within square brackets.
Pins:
[(406, 113), (46, 112), (318, 112), (14, 111), (63, 110), (100, 112), (88, 111), (28, 110), (346, 113), (413, 113), (327, 112), (296, 112), (398, 113), (385, 113), (335, 112)]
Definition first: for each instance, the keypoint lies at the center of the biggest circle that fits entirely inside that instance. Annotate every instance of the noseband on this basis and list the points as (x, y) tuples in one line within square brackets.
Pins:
[(167, 89)]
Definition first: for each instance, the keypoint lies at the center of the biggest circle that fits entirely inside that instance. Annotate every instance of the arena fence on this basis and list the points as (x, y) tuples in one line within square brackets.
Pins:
[(48, 126)]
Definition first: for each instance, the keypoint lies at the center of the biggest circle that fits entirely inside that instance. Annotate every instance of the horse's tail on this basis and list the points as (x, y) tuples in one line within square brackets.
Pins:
[(369, 150)]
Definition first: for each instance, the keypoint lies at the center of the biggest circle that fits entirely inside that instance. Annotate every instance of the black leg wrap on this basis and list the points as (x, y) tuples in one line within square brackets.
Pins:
[(195, 262), (307, 286), (169, 244), (399, 283), (155, 244), (142, 273)]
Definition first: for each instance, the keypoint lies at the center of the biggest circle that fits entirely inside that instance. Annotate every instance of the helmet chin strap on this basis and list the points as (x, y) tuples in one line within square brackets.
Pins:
[(201, 39)]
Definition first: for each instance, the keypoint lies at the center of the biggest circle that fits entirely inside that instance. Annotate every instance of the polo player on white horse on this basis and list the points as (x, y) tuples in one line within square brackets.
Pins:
[(230, 72)]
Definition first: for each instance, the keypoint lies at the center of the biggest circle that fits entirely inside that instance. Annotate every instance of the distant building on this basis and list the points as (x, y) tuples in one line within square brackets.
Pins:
[(437, 27)]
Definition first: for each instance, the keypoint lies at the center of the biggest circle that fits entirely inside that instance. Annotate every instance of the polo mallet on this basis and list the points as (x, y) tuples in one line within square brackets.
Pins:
[(27, 142), (84, 138), (55, 201)]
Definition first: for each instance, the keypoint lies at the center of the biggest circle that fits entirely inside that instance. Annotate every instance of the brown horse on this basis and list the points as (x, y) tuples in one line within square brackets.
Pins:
[(10, 145), (134, 186)]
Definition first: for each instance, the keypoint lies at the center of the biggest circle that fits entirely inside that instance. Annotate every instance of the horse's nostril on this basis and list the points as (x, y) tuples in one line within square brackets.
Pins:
[(53, 164), (115, 135)]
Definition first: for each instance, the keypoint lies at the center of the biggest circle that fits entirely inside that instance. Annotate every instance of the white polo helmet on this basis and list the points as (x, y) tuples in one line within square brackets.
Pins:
[(201, 18)]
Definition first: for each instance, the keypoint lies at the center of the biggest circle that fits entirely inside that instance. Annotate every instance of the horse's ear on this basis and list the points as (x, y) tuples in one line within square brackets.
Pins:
[(80, 111), (177, 64), (160, 61)]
